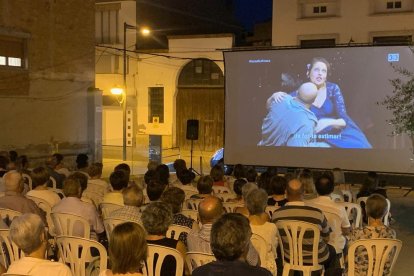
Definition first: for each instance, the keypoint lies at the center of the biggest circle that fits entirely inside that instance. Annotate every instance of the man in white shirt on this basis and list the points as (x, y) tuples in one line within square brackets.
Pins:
[(336, 215), (119, 180)]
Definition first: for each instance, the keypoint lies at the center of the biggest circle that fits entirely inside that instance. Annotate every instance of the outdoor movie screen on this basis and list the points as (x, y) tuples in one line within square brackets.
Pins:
[(315, 108)]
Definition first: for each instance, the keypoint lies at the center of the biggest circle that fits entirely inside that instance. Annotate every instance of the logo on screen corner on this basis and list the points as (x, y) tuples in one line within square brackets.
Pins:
[(393, 57)]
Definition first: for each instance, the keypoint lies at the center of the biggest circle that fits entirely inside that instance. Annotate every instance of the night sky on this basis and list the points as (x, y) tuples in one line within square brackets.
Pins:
[(249, 12)]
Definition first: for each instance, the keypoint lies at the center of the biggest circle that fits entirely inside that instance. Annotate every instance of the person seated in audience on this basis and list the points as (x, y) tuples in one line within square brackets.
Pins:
[(51, 163), (211, 209), (22, 164), (217, 173), (204, 187), (295, 209), (371, 186), (263, 181), (95, 182), (40, 181), (83, 181), (340, 227), (119, 181), (340, 184), (239, 172), (247, 188), (237, 188), (72, 204), (230, 240), (156, 218), (127, 250), (162, 174), (13, 198), (29, 234), (185, 181), (82, 163), (256, 202), (60, 167), (251, 175), (306, 177), (376, 208), (277, 188), (4, 161), (179, 165), (133, 200), (175, 198), (155, 190), (13, 158), (127, 169)]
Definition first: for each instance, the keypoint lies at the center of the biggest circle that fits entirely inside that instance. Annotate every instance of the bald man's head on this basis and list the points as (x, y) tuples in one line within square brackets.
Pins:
[(294, 190), (210, 209), (307, 92), (13, 182)]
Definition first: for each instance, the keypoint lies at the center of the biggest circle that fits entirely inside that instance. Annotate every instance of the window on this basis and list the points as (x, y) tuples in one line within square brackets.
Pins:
[(319, 9), (107, 23), (317, 43), (394, 5), (12, 52), (392, 40), (156, 104)]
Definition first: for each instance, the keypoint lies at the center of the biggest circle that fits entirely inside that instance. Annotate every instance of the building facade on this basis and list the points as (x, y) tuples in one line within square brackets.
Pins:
[(47, 96), (313, 23)]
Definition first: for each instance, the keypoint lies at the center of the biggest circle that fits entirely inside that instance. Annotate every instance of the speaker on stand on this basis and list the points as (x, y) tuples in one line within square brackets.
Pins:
[(192, 134)]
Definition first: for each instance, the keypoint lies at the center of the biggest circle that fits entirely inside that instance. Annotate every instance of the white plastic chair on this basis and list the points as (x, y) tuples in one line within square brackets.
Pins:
[(76, 252), (291, 233), (53, 180), (337, 198), (192, 214), (9, 214), (28, 178), (270, 209), (354, 213), (174, 231), (225, 196), (108, 208), (94, 196), (58, 191), (70, 224), (192, 203), (110, 223), (45, 206), (221, 190), (230, 207), (12, 250), (196, 259), (349, 195), (387, 216), (260, 244), (379, 253), (153, 268)]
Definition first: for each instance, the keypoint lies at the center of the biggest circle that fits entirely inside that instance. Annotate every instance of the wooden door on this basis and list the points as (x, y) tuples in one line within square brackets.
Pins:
[(205, 104)]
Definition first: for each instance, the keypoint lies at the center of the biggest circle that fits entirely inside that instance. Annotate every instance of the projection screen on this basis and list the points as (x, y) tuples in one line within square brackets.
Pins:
[(324, 112)]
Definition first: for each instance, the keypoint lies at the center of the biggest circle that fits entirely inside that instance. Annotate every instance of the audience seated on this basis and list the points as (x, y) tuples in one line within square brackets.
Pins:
[(204, 187), (277, 188), (256, 202), (133, 199), (51, 163), (156, 218), (237, 188), (251, 175), (162, 174), (29, 234), (22, 164), (40, 181), (14, 199), (247, 188), (306, 178), (210, 210), (72, 204), (263, 181), (83, 181), (295, 209), (230, 240), (376, 208), (340, 184), (127, 250), (119, 181), (82, 163), (95, 182), (12, 158), (175, 198), (324, 186), (217, 173), (4, 161), (185, 181), (179, 165), (155, 190), (60, 167)]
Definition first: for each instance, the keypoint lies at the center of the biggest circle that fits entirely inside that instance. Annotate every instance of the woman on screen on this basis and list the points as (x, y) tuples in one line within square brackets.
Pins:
[(329, 108)]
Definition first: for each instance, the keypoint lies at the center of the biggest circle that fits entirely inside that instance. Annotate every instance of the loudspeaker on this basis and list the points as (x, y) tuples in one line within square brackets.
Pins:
[(192, 130)]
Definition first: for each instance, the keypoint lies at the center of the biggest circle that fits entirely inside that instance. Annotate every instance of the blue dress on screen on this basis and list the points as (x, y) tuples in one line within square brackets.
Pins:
[(334, 108)]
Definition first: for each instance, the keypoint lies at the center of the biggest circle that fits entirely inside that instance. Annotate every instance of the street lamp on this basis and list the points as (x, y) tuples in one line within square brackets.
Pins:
[(119, 91)]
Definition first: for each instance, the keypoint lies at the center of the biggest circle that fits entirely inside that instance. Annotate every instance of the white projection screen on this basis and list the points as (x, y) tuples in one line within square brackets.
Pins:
[(344, 126)]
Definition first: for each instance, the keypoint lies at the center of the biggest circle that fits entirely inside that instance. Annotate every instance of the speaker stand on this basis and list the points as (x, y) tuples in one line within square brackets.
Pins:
[(191, 158)]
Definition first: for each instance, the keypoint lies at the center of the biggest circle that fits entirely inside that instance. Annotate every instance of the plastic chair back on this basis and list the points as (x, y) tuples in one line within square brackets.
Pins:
[(196, 259), (270, 209), (225, 196), (71, 225), (45, 206), (53, 181), (110, 223), (192, 203), (76, 252), (348, 196), (354, 213), (380, 253), (108, 208), (174, 231), (11, 251), (291, 234), (28, 179), (221, 190), (8, 215), (230, 207), (153, 268), (337, 198), (387, 216), (192, 214), (260, 244)]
